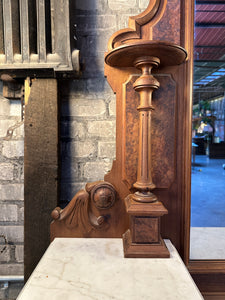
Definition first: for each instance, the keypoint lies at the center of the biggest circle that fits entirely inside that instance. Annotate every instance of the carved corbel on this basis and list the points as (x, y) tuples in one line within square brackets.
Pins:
[(89, 211)]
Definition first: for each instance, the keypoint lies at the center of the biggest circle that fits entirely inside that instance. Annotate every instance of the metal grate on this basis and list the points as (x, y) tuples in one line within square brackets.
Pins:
[(36, 34)]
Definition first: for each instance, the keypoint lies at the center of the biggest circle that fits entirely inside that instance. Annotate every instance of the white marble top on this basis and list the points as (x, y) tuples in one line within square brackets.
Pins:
[(78, 269)]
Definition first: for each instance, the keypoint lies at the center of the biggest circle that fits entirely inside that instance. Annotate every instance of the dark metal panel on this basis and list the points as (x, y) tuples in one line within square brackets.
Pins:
[(40, 168)]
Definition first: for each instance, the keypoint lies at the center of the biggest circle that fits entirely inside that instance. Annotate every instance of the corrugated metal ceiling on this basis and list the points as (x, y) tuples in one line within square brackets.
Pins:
[(209, 40), (209, 31)]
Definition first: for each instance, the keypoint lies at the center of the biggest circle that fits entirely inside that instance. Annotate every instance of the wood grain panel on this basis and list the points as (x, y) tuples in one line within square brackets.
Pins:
[(163, 132)]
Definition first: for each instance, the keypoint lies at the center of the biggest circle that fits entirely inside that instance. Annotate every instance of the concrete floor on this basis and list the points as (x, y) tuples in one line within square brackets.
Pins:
[(207, 243), (208, 192), (207, 209)]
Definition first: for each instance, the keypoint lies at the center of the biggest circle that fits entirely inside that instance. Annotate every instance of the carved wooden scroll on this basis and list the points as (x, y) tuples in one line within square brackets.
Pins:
[(91, 213), (159, 24)]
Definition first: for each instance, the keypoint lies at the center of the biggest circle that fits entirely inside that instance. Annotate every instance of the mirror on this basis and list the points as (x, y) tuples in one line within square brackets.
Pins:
[(208, 138)]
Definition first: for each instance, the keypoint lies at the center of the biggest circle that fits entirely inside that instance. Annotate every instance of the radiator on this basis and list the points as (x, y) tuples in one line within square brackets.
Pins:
[(35, 34)]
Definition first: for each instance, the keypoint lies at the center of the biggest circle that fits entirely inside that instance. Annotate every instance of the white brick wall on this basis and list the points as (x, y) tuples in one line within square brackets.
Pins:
[(11, 193), (13, 149), (6, 171), (88, 118), (121, 4)]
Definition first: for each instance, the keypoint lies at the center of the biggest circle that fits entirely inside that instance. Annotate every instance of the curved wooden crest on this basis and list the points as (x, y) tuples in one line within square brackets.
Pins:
[(136, 24)]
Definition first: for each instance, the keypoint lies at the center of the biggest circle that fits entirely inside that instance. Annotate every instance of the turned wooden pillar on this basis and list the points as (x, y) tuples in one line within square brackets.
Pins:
[(145, 85), (143, 238)]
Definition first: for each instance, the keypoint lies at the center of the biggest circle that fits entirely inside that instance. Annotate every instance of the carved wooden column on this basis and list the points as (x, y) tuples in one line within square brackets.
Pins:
[(143, 239), (148, 172), (145, 85)]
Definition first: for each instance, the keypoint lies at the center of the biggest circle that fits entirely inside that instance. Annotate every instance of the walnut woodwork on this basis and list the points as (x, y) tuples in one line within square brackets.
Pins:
[(171, 21), (142, 30), (163, 171), (93, 212), (145, 55), (168, 132)]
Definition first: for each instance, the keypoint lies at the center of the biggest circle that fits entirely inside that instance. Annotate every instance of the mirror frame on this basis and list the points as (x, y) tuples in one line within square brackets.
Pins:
[(209, 275)]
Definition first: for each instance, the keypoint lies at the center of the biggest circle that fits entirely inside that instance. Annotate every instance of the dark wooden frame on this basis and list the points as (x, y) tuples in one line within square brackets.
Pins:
[(209, 275)]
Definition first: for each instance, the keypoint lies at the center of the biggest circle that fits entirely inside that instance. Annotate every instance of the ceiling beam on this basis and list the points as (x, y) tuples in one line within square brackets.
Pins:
[(210, 2), (209, 11), (209, 25), (209, 46)]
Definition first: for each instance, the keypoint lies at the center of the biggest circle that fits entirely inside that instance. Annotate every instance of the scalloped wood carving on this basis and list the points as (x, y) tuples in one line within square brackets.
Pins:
[(91, 213), (136, 29)]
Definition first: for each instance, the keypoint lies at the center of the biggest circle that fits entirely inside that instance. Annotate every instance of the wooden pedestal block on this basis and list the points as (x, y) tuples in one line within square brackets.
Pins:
[(143, 238)]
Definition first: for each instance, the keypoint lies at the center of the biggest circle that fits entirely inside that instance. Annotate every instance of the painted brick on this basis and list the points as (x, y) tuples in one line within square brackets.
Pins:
[(106, 149), (82, 149), (96, 170), (70, 169), (123, 21), (21, 214), (87, 5), (15, 108), (6, 171), (69, 190), (3, 292), (143, 3), (12, 233), (4, 254), (112, 107), (22, 173), (98, 41), (4, 106), (83, 108), (121, 4), (11, 291), (14, 289), (19, 253), (89, 23), (98, 86), (4, 126), (19, 131), (94, 65), (11, 191), (13, 149), (102, 128), (8, 213), (73, 129), (11, 269)]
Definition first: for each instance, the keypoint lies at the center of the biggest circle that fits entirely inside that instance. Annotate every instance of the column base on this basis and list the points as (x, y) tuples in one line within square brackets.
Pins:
[(143, 239), (144, 197), (136, 250)]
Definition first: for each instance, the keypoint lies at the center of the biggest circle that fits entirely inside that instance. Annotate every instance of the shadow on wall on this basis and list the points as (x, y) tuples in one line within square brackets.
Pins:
[(87, 118)]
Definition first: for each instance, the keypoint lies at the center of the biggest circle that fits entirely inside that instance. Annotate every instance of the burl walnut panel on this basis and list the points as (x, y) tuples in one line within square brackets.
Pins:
[(146, 230)]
